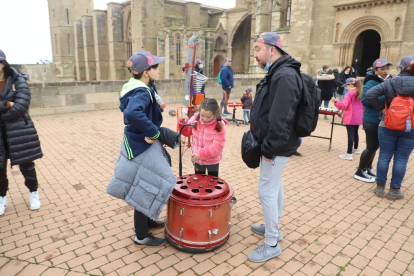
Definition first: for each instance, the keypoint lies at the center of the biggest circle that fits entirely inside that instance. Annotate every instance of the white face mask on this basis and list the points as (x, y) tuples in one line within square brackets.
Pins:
[(269, 63), (201, 66)]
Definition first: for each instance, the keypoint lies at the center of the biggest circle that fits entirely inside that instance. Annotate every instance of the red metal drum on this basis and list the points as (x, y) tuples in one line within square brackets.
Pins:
[(198, 214)]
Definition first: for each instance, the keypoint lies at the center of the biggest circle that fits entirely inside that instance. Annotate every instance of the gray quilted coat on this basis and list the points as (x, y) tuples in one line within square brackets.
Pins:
[(145, 182)]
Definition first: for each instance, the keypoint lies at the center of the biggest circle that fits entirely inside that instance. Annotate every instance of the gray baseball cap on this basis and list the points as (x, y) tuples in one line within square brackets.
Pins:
[(406, 62), (272, 39), (141, 61), (381, 62), (351, 81)]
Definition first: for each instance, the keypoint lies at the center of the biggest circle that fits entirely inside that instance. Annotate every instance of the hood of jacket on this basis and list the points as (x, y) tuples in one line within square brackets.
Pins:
[(129, 89), (404, 86), (326, 77)]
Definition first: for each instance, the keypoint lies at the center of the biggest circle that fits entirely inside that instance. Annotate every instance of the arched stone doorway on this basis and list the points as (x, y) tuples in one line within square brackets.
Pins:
[(345, 49), (367, 50), (241, 46), (218, 60)]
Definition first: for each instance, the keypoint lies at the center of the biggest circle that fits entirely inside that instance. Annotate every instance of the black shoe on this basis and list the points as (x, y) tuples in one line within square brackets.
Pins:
[(154, 224), (363, 176), (149, 241), (296, 153), (371, 172)]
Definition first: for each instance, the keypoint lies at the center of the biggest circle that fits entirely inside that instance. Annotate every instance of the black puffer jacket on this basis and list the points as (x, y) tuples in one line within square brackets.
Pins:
[(327, 86), (403, 84), (274, 107), (20, 141)]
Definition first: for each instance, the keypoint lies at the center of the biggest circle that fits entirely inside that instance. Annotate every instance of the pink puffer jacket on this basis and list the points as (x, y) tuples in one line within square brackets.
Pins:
[(353, 109), (207, 142)]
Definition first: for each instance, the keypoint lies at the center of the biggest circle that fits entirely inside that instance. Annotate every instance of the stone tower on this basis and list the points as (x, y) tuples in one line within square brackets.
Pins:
[(62, 14)]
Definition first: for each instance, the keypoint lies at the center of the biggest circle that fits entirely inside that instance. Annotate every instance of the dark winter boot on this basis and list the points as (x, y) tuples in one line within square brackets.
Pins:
[(395, 193), (379, 190)]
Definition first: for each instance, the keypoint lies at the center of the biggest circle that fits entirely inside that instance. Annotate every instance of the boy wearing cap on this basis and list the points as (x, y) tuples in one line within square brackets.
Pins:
[(143, 177), (272, 125), (247, 101), (381, 69), (227, 83)]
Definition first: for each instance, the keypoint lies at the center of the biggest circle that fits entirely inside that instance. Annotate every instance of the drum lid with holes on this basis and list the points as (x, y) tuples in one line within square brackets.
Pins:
[(201, 189)]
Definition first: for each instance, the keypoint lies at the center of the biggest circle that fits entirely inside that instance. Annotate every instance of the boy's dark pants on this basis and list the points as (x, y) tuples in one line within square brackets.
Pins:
[(30, 180), (142, 223)]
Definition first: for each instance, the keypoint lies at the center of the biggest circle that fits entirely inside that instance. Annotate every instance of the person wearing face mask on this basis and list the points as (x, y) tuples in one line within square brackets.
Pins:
[(199, 66), (272, 125), (340, 81), (142, 158), (371, 119)]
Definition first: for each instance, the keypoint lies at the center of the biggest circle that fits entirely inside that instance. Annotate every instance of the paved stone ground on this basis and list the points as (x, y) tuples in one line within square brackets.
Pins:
[(332, 224)]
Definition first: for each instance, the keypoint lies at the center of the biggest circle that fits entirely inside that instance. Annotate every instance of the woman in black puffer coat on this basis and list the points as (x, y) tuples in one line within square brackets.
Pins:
[(327, 86), (19, 141)]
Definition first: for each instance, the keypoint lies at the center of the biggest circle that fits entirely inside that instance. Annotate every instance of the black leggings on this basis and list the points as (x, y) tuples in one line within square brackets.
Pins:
[(353, 138), (367, 156), (212, 169), (30, 179)]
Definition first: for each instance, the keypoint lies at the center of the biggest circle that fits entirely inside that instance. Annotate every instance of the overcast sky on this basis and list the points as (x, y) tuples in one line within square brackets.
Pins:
[(24, 24)]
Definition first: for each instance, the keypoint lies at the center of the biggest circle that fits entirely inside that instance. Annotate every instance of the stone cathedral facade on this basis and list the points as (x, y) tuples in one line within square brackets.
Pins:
[(91, 45)]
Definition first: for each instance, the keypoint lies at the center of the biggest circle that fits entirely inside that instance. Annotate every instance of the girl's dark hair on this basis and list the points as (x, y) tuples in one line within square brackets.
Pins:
[(139, 76), (7, 69), (346, 68), (210, 105)]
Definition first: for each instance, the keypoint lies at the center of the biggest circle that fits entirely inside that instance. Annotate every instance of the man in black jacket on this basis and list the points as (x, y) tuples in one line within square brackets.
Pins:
[(272, 124)]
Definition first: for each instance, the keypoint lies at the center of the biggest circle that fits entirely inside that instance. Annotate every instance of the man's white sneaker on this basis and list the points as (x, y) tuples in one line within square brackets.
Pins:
[(346, 156), (34, 201), (3, 204)]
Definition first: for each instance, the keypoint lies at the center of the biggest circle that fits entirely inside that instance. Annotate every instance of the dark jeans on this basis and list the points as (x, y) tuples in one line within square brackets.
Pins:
[(325, 103), (212, 169), (141, 224), (395, 143), (223, 101), (353, 138), (367, 156), (30, 179)]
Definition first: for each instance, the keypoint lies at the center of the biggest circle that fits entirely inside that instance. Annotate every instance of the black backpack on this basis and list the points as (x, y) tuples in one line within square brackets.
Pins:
[(307, 113)]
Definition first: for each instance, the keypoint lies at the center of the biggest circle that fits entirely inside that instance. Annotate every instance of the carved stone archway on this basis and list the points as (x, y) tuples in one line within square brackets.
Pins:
[(344, 49)]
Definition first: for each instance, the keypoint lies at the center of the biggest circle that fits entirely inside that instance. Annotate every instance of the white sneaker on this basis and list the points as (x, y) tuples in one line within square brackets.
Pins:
[(3, 204), (34, 201), (346, 156), (356, 151)]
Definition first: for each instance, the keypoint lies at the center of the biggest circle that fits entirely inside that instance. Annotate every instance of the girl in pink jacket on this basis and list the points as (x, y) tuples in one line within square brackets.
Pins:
[(353, 113), (209, 137)]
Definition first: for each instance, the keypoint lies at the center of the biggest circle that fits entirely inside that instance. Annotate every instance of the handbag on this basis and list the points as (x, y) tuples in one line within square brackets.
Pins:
[(250, 150)]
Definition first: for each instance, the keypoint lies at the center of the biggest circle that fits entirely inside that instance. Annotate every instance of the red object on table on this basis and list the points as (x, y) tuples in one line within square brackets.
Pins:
[(233, 119)]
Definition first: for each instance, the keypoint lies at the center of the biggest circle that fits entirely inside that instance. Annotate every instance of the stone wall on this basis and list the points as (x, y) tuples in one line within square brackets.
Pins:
[(67, 97)]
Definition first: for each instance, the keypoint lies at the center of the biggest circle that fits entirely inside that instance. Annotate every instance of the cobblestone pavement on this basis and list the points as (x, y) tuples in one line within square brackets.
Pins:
[(332, 224)]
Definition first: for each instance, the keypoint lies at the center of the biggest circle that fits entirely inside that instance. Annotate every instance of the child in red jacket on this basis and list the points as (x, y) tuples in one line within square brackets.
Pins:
[(209, 137)]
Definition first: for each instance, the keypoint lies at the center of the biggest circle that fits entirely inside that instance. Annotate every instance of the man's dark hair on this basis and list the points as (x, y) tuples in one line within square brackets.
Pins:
[(7, 69), (325, 67)]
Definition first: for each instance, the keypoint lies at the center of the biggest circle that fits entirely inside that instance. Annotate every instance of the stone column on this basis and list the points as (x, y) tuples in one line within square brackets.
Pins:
[(391, 51), (100, 32), (79, 51), (116, 43), (147, 19), (167, 56), (89, 47), (161, 52)]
